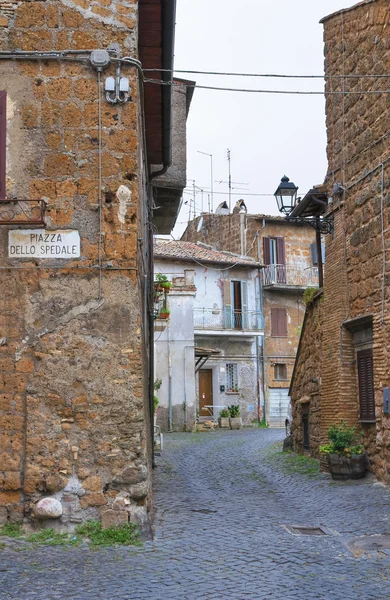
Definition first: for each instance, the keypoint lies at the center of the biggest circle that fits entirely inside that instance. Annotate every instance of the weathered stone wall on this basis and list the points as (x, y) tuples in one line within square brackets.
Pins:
[(356, 270), (306, 385), (73, 408)]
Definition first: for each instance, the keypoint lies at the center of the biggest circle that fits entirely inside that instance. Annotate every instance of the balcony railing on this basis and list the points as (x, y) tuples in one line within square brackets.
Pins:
[(226, 319), (290, 276)]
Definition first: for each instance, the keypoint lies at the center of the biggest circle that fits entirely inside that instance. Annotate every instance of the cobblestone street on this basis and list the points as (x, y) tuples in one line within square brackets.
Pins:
[(222, 501)]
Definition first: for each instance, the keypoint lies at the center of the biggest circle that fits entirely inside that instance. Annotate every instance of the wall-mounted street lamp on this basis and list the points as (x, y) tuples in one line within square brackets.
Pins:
[(308, 211), (289, 205)]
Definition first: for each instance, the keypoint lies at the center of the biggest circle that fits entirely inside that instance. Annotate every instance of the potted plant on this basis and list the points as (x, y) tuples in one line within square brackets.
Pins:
[(164, 313), (235, 416), (162, 283), (223, 420), (346, 457)]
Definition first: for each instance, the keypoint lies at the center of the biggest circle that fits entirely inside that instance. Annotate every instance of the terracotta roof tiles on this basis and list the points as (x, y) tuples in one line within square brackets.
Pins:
[(189, 251)]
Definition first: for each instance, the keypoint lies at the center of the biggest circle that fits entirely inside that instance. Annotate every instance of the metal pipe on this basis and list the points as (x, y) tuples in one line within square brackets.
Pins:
[(170, 416)]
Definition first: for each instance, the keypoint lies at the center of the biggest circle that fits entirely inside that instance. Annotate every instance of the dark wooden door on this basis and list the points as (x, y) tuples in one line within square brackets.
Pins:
[(205, 392), (237, 305)]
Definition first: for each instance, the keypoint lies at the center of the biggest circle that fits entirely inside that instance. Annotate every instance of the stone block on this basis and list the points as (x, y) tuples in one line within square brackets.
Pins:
[(114, 518), (48, 508), (93, 484)]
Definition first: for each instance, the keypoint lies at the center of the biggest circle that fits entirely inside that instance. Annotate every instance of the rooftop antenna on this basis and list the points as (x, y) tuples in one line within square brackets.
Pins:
[(230, 181)]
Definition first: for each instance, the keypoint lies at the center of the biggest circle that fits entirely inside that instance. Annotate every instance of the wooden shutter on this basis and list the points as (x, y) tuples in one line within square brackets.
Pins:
[(227, 303), (366, 385), (3, 142), (280, 251), (244, 304), (266, 251), (278, 322), (281, 260)]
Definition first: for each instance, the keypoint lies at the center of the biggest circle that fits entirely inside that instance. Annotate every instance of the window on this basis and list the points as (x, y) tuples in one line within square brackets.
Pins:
[(280, 371), (3, 139), (231, 378), (235, 299), (274, 254), (366, 384), (278, 322)]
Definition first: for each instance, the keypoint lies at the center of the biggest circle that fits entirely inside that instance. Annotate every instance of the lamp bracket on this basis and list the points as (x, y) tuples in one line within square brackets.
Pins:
[(322, 225)]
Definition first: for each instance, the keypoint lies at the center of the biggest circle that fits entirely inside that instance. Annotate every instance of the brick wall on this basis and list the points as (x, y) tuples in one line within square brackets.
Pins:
[(73, 408), (356, 269), (306, 385)]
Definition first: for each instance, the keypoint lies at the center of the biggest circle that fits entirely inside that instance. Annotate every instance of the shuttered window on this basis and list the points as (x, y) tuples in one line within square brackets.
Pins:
[(278, 322), (366, 385), (274, 251), (280, 371), (3, 140)]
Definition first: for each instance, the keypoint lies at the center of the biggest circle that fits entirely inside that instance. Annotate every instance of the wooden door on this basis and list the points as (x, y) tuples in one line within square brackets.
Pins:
[(205, 392)]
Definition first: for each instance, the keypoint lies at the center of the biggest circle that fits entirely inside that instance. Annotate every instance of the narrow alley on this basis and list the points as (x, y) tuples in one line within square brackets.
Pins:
[(224, 501)]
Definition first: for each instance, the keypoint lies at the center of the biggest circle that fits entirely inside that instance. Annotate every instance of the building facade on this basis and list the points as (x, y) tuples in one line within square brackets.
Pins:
[(287, 254), (353, 377), (80, 141), (207, 351)]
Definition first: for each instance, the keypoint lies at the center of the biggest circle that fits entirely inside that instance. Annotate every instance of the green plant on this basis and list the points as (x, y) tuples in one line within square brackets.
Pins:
[(234, 411), (125, 535), (308, 295), (161, 278), (157, 384), (164, 312), (11, 530), (342, 440), (224, 414), (50, 538)]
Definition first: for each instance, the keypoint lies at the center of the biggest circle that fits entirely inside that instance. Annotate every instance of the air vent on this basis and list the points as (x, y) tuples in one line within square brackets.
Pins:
[(306, 530)]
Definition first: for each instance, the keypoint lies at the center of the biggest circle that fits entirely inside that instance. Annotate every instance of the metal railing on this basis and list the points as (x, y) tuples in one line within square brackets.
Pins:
[(290, 275), (226, 318)]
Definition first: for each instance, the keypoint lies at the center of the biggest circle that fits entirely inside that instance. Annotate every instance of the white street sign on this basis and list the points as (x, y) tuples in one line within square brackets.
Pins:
[(39, 243)]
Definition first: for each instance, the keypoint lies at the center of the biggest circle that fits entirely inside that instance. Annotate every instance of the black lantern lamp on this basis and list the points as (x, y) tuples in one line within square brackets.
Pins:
[(286, 196)]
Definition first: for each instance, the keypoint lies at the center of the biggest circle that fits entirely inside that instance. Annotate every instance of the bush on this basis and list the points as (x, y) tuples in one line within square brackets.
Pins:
[(224, 414), (308, 295), (234, 411), (342, 440)]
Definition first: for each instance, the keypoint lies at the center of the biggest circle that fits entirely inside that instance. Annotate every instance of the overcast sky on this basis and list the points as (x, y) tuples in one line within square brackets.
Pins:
[(268, 135)]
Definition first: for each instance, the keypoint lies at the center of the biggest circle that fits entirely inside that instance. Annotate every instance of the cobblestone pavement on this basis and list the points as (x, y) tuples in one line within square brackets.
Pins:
[(222, 500)]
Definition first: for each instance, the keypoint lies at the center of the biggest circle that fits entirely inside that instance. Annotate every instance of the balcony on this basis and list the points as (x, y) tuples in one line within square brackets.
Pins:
[(226, 321), (289, 277)]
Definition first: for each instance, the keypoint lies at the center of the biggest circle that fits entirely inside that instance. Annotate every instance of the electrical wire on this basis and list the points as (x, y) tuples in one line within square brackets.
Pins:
[(257, 91), (268, 75)]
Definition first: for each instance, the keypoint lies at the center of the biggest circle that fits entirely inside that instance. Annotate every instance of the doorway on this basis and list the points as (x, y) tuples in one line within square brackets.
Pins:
[(206, 394)]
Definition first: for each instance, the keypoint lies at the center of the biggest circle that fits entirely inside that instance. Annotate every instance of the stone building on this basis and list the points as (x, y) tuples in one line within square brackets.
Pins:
[(207, 351), (351, 381), (287, 254), (79, 139)]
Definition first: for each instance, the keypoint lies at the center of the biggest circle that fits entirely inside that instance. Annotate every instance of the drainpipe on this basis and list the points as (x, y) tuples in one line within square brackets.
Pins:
[(185, 386), (261, 304), (170, 416)]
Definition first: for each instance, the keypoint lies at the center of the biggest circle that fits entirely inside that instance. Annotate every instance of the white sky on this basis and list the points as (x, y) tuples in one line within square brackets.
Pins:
[(268, 135)]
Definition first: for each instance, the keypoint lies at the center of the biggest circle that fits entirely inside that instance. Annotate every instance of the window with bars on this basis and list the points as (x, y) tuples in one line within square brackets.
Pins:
[(231, 378), (278, 322), (280, 371)]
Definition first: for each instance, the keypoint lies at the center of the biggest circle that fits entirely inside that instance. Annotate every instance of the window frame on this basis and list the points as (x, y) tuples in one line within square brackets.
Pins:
[(234, 388), (277, 367), (279, 328)]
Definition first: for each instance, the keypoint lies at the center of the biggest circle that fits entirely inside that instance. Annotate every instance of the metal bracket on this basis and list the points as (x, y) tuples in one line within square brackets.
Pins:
[(22, 212), (322, 225)]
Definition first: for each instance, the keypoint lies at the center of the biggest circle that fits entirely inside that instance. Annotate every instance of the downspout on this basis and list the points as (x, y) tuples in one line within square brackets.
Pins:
[(170, 419), (261, 302), (185, 387)]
